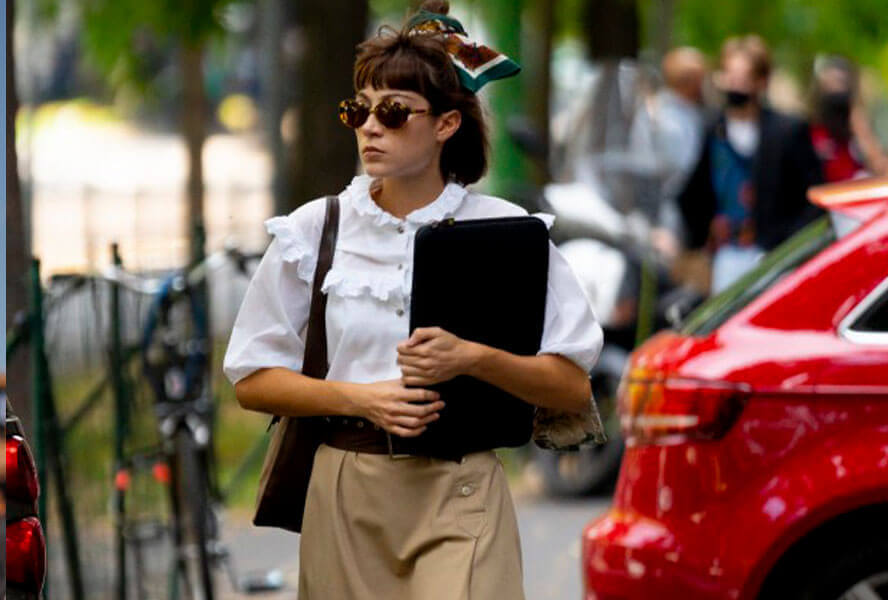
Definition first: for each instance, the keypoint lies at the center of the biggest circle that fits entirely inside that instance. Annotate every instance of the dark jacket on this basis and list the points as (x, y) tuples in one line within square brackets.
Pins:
[(783, 168)]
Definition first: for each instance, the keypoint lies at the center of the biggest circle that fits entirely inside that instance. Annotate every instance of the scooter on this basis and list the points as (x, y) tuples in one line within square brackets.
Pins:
[(622, 276)]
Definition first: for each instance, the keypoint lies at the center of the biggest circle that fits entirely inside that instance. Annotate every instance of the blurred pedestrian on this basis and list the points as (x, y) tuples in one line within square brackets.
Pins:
[(748, 190), (678, 123), (840, 129), (378, 523)]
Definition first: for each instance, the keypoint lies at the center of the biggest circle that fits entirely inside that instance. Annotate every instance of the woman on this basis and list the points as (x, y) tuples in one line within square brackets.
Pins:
[(415, 527), (840, 130)]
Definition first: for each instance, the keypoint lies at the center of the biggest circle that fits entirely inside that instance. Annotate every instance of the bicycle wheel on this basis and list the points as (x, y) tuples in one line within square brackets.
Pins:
[(193, 519)]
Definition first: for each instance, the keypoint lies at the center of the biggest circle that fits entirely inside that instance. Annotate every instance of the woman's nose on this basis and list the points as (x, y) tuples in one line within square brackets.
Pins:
[(372, 125)]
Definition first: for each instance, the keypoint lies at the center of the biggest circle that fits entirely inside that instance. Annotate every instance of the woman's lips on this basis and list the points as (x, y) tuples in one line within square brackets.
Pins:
[(371, 151)]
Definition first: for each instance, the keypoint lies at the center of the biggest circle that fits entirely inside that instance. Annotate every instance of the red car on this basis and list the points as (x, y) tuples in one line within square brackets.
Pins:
[(25, 565), (756, 461)]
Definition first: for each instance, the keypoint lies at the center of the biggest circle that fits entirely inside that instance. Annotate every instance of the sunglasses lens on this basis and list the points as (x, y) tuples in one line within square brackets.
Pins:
[(392, 114), (353, 113)]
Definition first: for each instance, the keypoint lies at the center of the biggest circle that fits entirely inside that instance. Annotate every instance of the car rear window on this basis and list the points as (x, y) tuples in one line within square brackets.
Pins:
[(772, 268)]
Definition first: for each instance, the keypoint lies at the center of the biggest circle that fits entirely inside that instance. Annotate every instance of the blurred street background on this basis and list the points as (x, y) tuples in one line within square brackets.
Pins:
[(169, 131)]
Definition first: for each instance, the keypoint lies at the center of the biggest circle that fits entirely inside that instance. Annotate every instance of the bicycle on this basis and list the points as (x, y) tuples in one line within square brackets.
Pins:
[(176, 354)]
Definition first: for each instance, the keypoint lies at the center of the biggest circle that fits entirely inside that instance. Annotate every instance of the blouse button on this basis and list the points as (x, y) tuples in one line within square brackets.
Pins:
[(400, 267), (360, 423), (400, 229), (466, 490), (399, 312)]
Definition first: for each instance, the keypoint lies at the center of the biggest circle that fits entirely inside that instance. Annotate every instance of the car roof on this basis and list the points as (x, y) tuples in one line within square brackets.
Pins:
[(861, 199)]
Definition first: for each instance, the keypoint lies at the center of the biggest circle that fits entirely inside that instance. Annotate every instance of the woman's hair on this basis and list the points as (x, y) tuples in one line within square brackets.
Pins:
[(823, 63), (754, 48), (420, 63)]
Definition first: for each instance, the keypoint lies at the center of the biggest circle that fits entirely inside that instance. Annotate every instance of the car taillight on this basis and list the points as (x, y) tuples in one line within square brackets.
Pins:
[(662, 409), (21, 474), (25, 554)]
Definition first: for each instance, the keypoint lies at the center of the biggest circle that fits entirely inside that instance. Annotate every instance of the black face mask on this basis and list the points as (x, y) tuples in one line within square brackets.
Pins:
[(737, 99), (835, 113)]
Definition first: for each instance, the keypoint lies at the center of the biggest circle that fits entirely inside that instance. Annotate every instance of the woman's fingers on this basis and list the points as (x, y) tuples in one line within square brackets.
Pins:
[(414, 360), (404, 432), (414, 422), (401, 412), (420, 395), (417, 410), (408, 371), (414, 418)]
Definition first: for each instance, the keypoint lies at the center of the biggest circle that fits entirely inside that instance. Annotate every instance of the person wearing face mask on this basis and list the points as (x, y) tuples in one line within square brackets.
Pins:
[(840, 130), (747, 192)]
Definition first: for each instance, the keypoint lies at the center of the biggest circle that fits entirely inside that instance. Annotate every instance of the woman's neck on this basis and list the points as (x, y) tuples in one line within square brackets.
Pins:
[(400, 196)]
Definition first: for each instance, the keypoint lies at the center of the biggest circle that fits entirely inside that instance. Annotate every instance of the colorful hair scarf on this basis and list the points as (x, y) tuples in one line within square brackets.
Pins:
[(475, 63)]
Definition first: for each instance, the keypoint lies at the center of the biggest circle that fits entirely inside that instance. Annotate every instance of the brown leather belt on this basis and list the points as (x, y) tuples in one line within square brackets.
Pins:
[(361, 435)]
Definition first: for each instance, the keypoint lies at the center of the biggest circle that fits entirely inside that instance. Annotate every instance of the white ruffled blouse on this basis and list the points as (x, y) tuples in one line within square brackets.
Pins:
[(368, 288)]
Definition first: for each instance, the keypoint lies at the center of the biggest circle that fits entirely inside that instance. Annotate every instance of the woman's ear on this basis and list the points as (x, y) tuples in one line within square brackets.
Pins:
[(448, 124)]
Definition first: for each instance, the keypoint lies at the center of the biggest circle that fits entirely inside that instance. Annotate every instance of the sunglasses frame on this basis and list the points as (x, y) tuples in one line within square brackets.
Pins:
[(400, 107)]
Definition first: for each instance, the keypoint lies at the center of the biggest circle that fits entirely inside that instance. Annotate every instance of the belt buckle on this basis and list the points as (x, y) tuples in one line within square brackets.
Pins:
[(392, 455)]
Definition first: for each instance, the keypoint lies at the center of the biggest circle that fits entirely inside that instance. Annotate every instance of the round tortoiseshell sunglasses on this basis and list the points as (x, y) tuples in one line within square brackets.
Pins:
[(391, 113)]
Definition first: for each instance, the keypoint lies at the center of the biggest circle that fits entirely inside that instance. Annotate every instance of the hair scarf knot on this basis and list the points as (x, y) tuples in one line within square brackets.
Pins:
[(476, 64)]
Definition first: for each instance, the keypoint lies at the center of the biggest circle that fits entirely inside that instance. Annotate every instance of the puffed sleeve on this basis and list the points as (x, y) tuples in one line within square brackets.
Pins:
[(571, 328), (269, 330)]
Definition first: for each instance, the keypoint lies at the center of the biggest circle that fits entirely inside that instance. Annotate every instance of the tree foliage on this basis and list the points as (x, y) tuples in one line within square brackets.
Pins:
[(129, 41), (796, 29)]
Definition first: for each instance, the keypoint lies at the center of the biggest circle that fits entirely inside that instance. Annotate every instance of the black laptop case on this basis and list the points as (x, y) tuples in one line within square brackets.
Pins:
[(483, 280)]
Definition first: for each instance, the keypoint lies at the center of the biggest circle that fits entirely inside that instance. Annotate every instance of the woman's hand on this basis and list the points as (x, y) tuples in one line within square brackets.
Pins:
[(433, 355), (389, 405)]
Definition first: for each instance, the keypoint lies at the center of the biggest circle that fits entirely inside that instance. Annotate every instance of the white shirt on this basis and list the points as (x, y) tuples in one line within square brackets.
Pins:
[(743, 135), (368, 288)]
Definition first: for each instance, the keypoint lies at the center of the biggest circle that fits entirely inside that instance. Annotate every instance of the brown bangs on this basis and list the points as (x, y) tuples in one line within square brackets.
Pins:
[(418, 63)]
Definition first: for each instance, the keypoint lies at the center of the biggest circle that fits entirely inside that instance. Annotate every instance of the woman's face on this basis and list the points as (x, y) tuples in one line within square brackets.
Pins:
[(409, 150)]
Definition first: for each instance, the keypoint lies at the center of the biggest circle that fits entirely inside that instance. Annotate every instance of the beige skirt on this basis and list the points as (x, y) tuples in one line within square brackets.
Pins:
[(411, 528)]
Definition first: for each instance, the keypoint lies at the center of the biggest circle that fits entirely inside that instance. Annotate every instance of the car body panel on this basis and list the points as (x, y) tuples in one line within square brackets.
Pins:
[(709, 518)]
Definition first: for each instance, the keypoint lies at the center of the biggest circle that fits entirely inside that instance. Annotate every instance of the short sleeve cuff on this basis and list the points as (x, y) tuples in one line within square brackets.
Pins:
[(582, 355), (238, 372)]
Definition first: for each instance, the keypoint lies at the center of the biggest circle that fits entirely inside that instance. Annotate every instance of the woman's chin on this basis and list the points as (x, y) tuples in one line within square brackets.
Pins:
[(374, 169)]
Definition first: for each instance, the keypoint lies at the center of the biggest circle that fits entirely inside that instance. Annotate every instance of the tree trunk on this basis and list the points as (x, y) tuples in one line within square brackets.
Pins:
[(613, 33), (275, 75), (539, 74), (193, 128), (17, 252), (325, 156), (612, 28)]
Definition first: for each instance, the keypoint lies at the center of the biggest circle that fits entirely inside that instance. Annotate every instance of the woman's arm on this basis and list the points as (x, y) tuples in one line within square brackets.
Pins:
[(432, 355), (281, 391), (874, 154)]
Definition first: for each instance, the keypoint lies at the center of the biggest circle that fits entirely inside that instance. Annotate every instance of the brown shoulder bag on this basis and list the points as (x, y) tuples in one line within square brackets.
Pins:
[(283, 484)]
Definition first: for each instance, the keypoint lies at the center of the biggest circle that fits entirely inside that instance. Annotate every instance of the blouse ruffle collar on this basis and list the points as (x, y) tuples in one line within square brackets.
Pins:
[(445, 205), (346, 282)]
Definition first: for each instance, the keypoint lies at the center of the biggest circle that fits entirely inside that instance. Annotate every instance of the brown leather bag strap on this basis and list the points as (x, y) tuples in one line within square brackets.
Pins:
[(314, 363)]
